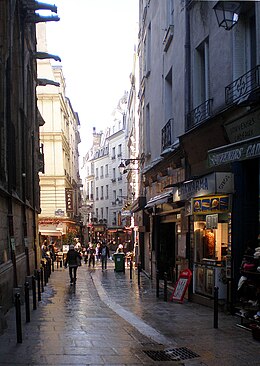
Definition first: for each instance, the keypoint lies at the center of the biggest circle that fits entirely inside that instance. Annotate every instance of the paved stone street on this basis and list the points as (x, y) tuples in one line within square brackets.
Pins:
[(107, 319)]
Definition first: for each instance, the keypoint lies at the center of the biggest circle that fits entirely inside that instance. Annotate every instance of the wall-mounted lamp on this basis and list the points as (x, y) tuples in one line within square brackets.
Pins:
[(227, 13), (125, 162)]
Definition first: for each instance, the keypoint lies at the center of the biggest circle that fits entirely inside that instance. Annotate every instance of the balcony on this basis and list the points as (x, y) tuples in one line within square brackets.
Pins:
[(199, 114), (241, 89), (113, 180), (167, 135)]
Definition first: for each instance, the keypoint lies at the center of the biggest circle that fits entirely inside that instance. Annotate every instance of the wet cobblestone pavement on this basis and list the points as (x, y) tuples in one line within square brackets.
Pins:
[(107, 319)]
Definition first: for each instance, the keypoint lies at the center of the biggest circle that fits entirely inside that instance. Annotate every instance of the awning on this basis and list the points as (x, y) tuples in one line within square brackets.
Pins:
[(158, 200), (138, 204), (238, 151), (50, 232)]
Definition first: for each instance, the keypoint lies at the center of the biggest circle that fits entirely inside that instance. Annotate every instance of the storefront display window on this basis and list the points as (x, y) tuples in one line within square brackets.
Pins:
[(211, 239)]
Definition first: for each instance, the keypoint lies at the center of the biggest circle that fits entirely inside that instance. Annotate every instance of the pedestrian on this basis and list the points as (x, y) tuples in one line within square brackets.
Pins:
[(73, 259), (104, 254), (91, 255)]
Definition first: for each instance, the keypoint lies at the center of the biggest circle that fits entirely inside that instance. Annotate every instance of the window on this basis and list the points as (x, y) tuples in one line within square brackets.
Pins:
[(102, 193), (96, 173), (101, 171), (119, 150), (113, 153), (201, 74), (102, 213), (106, 170), (168, 96), (107, 191), (114, 173), (97, 193), (107, 213), (147, 130)]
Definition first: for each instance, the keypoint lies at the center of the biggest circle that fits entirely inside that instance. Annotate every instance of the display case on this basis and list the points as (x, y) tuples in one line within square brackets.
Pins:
[(209, 276)]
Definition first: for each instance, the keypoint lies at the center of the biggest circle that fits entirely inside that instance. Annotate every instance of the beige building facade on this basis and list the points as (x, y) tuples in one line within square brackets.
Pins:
[(59, 138)]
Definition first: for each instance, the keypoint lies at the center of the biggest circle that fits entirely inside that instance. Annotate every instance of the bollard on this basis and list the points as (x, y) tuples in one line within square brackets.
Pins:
[(45, 276), (157, 283), (27, 301), (34, 292), (18, 318), (39, 284), (139, 273), (42, 286), (131, 269), (215, 307), (165, 286)]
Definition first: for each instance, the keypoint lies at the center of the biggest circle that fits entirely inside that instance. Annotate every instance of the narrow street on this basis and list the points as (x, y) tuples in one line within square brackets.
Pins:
[(107, 319)]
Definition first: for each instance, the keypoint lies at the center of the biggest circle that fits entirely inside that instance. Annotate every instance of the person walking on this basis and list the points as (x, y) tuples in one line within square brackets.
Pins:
[(91, 255), (73, 259), (104, 254)]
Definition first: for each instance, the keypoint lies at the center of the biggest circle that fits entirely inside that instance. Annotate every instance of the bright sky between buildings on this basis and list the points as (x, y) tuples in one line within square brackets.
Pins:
[(95, 40)]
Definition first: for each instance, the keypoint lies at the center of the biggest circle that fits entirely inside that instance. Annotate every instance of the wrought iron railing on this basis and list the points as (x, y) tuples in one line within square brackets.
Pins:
[(242, 86), (167, 135), (199, 114)]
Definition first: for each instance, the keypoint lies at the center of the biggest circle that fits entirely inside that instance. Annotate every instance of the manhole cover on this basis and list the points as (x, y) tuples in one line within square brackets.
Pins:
[(175, 354)]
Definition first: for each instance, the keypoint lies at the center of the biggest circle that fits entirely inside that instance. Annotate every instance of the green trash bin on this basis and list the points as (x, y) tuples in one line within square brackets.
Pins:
[(119, 259)]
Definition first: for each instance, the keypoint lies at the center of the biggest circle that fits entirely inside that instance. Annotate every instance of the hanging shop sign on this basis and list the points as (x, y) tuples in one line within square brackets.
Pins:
[(99, 228), (69, 199), (211, 204), (181, 286)]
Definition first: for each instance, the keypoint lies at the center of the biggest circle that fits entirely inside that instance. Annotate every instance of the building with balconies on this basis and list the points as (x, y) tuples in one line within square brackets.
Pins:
[(60, 181), (199, 92)]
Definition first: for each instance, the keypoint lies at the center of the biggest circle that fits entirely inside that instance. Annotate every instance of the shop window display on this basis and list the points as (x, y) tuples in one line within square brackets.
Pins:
[(211, 250)]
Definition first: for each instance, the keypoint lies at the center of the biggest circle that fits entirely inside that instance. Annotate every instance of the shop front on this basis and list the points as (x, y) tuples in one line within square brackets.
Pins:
[(208, 205), (211, 240)]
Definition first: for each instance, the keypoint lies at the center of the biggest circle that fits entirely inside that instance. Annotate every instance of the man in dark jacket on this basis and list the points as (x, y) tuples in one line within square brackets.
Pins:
[(104, 254), (73, 259)]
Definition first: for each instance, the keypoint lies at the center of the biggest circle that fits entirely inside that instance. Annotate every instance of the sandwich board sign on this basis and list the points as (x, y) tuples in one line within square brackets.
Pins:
[(181, 285)]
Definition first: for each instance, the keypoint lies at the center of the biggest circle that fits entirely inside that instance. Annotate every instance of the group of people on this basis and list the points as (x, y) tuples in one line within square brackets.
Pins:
[(74, 257), (76, 253)]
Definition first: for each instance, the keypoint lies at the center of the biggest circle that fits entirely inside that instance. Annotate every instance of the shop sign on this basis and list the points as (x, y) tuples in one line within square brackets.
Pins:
[(99, 228), (244, 128), (126, 213), (69, 199), (218, 182), (212, 221), (239, 151), (181, 286), (59, 212), (211, 204)]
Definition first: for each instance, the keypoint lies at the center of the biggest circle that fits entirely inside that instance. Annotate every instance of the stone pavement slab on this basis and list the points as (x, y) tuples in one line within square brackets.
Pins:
[(107, 319)]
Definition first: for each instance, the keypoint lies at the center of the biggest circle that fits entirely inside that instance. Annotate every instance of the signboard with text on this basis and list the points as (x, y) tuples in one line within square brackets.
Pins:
[(181, 286)]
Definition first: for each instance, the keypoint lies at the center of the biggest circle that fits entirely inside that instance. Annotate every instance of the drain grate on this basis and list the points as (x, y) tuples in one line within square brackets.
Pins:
[(175, 354)]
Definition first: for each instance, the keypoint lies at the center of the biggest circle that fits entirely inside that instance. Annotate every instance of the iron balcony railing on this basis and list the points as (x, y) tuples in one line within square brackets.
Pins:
[(199, 114), (167, 135), (243, 86)]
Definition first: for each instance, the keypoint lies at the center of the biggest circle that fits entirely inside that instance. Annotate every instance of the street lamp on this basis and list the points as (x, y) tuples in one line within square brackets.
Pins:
[(227, 13), (125, 162)]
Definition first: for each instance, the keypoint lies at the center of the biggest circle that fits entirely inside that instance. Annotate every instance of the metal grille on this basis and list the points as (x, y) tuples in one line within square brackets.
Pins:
[(175, 354)]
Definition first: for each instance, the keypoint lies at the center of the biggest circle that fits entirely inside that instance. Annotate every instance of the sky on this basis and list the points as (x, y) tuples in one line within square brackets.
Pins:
[(95, 40)]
